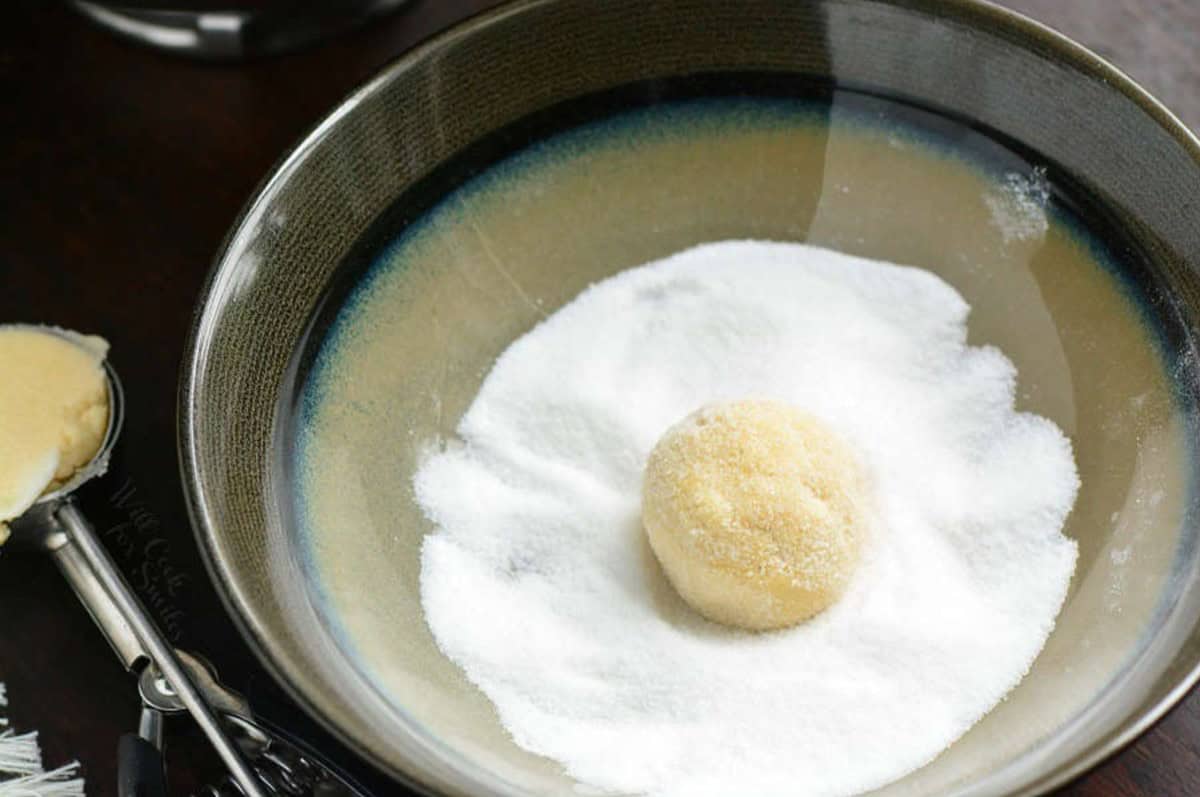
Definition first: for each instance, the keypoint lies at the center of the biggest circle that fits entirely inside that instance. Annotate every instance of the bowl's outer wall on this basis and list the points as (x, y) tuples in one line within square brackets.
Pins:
[(982, 63)]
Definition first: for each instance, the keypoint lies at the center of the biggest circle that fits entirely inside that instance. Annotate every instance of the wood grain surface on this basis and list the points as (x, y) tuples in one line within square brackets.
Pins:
[(122, 170)]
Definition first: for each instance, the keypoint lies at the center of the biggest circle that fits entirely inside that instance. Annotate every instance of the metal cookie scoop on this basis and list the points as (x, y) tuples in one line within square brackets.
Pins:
[(284, 766), (55, 525)]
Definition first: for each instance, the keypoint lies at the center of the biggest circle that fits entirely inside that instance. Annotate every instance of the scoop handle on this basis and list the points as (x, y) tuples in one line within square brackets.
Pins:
[(94, 597), (119, 598), (140, 770)]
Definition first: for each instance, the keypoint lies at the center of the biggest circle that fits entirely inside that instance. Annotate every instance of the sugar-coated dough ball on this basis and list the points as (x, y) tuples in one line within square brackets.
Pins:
[(756, 512)]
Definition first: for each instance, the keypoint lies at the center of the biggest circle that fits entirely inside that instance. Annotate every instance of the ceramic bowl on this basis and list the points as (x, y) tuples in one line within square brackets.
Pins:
[(337, 617)]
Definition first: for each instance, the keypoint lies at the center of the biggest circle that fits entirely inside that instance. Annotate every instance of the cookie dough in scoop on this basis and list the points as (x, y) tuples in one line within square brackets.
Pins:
[(53, 411)]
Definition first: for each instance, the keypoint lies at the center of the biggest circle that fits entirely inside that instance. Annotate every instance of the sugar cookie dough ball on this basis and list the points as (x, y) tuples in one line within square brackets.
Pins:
[(756, 512)]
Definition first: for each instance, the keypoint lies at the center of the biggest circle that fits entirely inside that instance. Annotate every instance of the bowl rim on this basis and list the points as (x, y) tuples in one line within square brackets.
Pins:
[(1015, 27)]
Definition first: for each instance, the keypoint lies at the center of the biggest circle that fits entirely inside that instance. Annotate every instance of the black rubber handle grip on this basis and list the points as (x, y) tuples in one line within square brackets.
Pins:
[(140, 771)]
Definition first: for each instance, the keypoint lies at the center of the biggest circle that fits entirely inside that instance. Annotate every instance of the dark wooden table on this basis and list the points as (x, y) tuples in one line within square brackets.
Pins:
[(122, 169)]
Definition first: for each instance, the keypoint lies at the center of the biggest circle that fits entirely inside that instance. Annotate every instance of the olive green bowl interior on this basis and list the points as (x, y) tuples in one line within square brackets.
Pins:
[(355, 651)]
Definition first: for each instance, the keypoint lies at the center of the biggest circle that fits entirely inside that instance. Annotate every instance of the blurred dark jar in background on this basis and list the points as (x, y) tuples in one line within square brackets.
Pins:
[(232, 30)]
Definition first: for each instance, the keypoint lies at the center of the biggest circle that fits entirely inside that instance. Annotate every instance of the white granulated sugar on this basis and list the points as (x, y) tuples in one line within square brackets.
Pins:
[(538, 582), (1018, 206)]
